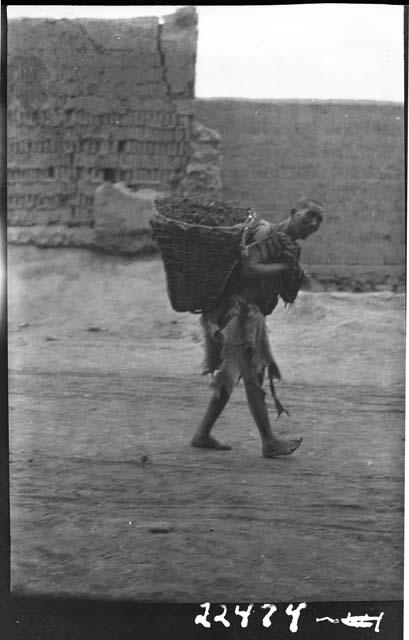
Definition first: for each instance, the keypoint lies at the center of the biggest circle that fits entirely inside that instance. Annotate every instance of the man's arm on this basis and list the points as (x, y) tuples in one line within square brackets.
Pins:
[(252, 262), (256, 269)]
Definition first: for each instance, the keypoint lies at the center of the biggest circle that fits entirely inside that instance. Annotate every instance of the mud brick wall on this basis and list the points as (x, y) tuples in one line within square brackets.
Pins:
[(92, 101), (350, 155)]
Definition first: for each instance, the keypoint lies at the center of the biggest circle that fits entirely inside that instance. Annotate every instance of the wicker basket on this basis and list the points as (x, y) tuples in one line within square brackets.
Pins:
[(199, 260)]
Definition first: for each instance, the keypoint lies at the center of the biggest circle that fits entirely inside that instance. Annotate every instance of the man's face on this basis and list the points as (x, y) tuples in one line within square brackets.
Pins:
[(305, 223)]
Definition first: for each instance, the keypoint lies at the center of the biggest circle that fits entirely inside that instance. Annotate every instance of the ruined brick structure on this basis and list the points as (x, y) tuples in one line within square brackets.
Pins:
[(93, 101)]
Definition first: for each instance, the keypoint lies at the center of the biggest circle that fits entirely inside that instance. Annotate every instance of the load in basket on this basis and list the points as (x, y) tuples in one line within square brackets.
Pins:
[(200, 243)]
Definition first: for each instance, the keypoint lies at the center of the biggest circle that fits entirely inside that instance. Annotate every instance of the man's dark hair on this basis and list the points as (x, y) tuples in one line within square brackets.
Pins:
[(308, 204)]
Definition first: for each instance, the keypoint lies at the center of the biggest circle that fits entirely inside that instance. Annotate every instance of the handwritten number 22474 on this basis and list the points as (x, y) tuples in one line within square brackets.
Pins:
[(245, 614)]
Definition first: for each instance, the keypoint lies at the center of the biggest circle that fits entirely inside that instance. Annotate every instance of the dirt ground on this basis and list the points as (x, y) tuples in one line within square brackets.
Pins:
[(109, 500)]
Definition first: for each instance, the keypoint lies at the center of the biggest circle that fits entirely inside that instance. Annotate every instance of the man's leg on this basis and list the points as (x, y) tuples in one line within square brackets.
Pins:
[(271, 445), (202, 437)]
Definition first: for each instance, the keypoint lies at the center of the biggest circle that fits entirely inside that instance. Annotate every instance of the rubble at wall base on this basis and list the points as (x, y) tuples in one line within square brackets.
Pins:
[(58, 236), (52, 236), (357, 279)]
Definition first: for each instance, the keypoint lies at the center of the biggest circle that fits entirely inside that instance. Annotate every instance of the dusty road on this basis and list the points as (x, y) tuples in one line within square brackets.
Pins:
[(109, 500)]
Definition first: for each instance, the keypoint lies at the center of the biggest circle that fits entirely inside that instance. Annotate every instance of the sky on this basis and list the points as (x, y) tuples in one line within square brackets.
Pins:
[(307, 51)]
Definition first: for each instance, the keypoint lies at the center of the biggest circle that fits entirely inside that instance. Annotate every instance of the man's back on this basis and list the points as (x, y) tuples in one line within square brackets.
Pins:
[(262, 292)]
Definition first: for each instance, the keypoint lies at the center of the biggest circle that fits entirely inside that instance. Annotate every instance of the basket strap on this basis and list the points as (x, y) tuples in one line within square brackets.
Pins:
[(243, 247), (249, 223), (222, 290)]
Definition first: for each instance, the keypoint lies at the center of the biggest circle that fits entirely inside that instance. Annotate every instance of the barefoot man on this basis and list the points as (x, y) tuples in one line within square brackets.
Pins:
[(236, 340)]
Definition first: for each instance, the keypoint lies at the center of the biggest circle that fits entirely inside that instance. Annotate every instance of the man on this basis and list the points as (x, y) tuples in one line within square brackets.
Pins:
[(236, 340)]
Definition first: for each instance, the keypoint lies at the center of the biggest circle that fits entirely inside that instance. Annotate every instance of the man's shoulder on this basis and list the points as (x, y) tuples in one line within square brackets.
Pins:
[(263, 230)]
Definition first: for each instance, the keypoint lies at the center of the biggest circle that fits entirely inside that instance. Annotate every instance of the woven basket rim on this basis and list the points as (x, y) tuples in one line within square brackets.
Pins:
[(181, 223)]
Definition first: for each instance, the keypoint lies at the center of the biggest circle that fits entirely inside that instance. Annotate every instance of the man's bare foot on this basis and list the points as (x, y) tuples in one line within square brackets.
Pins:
[(280, 448), (207, 442)]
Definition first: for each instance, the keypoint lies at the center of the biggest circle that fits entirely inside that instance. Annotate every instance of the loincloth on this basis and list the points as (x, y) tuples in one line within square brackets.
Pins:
[(237, 347)]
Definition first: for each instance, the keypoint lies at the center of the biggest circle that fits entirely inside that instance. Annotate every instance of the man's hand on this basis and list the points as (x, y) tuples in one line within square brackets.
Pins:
[(291, 281)]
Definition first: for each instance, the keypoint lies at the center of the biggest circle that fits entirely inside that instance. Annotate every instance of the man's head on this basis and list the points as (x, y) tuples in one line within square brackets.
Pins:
[(306, 218)]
